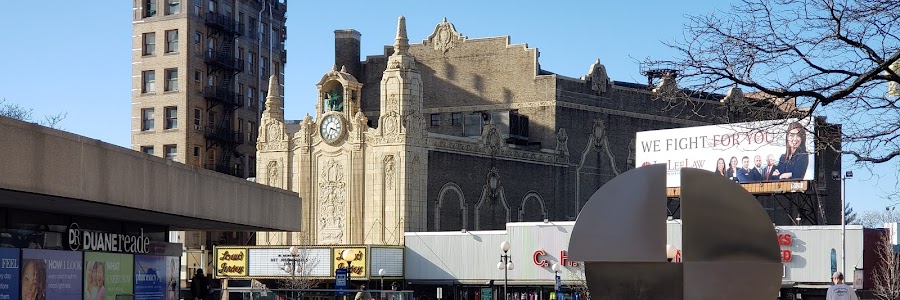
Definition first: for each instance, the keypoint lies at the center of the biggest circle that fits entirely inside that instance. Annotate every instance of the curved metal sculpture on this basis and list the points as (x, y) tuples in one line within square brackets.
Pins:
[(728, 240)]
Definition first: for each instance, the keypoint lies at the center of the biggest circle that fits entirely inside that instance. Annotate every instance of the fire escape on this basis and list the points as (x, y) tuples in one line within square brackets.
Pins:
[(223, 64)]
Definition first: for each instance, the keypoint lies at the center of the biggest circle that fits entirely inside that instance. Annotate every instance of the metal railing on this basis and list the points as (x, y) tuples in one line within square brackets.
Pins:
[(235, 293)]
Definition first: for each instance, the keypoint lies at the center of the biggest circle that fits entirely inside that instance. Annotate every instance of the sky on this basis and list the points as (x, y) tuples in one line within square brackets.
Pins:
[(73, 57)]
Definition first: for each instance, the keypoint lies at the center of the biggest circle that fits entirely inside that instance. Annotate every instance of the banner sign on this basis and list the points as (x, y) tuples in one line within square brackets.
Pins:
[(278, 262), (107, 275), (87, 240), (763, 151), (51, 274), (357, 267), (231, 262), (9, 273)]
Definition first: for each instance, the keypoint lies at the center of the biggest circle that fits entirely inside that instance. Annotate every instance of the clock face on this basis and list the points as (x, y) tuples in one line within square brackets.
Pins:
[(331, 128)]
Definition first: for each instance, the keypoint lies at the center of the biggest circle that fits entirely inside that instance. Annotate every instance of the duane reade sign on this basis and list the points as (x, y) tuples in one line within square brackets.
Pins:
[(763, 151), (86, 240)]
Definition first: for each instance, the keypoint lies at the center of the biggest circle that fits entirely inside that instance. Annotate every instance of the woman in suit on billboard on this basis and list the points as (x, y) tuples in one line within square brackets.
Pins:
[(792, 164), (731, 173), (720, 166)]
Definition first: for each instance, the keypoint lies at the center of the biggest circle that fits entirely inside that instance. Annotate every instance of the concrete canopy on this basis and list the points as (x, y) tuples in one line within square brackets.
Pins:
[(50, 170)]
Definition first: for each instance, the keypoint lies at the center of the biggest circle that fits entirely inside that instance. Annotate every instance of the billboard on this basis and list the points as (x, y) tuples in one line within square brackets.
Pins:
[(107, 275), (9, 273), (231, 262), (155, 277), (357, 266), (752, 152), (51, 274), (277, 262)]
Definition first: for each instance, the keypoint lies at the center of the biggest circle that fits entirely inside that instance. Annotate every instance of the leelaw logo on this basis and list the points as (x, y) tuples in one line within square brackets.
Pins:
[(620, 235)]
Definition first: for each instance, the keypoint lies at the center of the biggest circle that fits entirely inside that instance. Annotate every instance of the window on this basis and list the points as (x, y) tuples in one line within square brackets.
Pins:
[(435, 119), (251, 95), (149, 8), (149, 43), (197, 75), (171, 41), (197, 7), (147, 149), (251, 134), (146, 119), (171, 151), (240, 92), (171, 80), (264, 66), (456, 119), (149, 82), (240, 54), (173, 7), (211, 80), (198, 118), (171, 117), (240, 126), (198, 41), (263, 36), (210, 158), (211, 119), (210, 44), (251, 27), (212, 6), (250, 56), (196, 151)]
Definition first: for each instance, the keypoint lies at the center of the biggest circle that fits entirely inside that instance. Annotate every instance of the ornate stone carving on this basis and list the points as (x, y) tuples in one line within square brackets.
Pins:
[(389, 172), (493, 181), (630, 161), (393, 102), (445, 36), (597, 78), (272, 174), (562, 142), (415, 124), (598, 133), (667, 87), (493, 142), (331, 204), (390, 123)]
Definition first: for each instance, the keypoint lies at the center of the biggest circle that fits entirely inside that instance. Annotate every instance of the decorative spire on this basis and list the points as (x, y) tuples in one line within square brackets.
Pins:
[(273, 99), (401, 43), (274, 88)]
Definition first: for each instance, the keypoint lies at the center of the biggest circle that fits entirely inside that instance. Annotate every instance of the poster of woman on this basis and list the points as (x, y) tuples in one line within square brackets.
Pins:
[(51, 274)]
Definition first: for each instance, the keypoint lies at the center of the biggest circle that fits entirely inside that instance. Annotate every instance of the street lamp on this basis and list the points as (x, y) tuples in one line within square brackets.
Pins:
[(294, 250), (349, 257), (506, 265), (381, 273), (556, 269), (671, 252), (837, 176)]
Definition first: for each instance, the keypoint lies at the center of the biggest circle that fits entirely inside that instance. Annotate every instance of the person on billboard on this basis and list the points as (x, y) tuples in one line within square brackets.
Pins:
[(770, 169), (743, 173), (34, 279), (94, 289), (731, 172), (720, 166), (793, 163), (756, 173)]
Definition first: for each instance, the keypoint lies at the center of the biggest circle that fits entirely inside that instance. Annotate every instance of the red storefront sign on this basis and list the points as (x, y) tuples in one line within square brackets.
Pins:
[(538, 260)]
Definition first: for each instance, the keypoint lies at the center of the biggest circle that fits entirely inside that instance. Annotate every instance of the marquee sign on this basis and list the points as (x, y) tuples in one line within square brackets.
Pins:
[(231, 262)]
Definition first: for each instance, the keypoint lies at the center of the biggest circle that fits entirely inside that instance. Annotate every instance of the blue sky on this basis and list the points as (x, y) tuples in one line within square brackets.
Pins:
[(75, 57)]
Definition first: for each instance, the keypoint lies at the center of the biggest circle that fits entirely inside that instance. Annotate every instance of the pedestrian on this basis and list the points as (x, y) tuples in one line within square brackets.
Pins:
[(363, 293), (840, 290), (200, 286)]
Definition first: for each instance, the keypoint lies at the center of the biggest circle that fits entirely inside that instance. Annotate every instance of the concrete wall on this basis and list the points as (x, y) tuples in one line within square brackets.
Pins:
[(45, 161)]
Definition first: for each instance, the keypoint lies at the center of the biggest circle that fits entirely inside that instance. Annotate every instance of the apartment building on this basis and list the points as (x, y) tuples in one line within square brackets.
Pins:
[(200, 72)]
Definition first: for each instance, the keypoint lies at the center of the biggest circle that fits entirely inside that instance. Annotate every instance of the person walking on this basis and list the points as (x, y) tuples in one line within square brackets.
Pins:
[(840, 290), (363, 293), (200, 286)]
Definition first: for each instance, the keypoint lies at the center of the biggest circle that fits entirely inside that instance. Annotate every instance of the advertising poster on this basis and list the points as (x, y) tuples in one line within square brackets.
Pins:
[(51, 274), (763, 151), (107, 275), (150, 277), (9, 273)]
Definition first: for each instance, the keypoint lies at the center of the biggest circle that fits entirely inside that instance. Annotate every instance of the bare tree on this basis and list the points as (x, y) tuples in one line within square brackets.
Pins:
[(886, 275), (578, 283), (804, 57), (298, 272), (876, 219), (850, 215), (18, 112)]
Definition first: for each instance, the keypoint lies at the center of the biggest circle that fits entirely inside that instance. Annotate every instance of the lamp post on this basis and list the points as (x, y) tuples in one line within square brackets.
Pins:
[(349, 257), (556, 269), (381, 274), (294, 250), (837, 176), (671, 252), (506, 265)]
